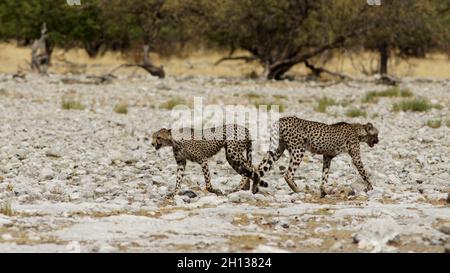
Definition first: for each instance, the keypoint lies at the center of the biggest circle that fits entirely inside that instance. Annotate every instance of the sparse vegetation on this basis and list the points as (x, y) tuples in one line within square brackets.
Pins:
[(280, 97), (372, 96), (434, 123), (71, 104), (323, 104), (6, 209), (252, 95), (121, 107), (414, 105), (448, 123), (172, 103), (355, 112), (270, 105)]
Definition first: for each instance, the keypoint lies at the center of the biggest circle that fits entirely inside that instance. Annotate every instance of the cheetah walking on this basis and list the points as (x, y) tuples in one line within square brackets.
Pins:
[(298, 135), (199, 145)]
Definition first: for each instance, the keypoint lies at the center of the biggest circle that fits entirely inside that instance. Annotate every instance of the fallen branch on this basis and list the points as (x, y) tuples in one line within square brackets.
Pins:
[(319, 70), (153, 70), (247, 59)]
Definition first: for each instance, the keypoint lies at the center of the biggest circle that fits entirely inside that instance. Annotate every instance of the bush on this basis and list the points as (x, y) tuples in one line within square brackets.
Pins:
[(355, 112), (171, 103), (71, 104), (414, 105), (434, 123), (373, 96), (252, 95), (121, 108), (323, 103)]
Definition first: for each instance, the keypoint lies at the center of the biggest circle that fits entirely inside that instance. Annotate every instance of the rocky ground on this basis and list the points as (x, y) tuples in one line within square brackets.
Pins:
[(87, 180)]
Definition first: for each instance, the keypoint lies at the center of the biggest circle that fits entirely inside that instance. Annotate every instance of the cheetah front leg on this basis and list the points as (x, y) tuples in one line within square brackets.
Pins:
[(356, 160), (180, 174), (296, 156), (325, 170), (207, 176)]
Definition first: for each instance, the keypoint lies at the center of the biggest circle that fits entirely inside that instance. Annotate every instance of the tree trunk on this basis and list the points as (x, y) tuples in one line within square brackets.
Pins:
[(384, 58), (277, 71), (41, 52), (149, 66)]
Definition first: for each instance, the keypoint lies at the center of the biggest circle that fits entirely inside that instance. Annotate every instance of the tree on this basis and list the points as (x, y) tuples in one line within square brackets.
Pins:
[(150, 24), (409, 28), (279, 34)]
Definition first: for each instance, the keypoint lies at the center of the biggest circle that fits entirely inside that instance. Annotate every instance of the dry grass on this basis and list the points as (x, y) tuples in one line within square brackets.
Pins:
[(6, 209), (173, 102), (201, 62), (71, 104)]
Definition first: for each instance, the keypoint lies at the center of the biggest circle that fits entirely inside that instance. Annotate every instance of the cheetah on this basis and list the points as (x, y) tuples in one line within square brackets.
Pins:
[(297, 135), (200, 145)]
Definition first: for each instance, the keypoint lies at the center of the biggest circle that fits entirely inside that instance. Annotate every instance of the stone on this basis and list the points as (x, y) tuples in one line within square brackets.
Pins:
[(189, 193), (445, 229), (47, 174), (5, 221)]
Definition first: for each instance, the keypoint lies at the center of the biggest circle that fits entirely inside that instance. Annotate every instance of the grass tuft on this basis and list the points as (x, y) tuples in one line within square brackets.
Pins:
[(323, 104), (252, 95), (434, 123), (172, 103), (414, 105), (121, 108), (355, 112), (6, 209), (372, 96), (71, 104)]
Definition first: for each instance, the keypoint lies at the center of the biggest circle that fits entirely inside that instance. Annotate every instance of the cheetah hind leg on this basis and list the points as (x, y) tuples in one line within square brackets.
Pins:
[(296, 157)]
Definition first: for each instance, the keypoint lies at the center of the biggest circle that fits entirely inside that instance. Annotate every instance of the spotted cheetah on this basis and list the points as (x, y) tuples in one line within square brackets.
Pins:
[(199, 145), (297, 135)]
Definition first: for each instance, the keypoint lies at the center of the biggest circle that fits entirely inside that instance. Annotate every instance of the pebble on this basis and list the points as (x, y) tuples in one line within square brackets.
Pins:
[(47, 174)]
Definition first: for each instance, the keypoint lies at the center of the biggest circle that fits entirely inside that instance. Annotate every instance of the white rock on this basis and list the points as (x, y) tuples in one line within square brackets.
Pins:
[(338, 246), (47, 173), (240, 196), (376, 233), (212, 200), (5, 221), (289, 244), (7, 237)]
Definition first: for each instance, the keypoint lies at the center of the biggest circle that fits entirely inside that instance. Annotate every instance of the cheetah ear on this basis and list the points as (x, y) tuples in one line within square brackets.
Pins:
[(368, 126)]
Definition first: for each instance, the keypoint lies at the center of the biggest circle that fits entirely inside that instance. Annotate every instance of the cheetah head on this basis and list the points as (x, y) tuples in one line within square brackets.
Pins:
[(161, 138), (368, 133)]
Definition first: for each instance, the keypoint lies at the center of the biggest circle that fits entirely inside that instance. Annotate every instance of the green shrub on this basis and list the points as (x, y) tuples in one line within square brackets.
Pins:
[(323, 103), (373, 96), (434, 123), (121, 108), (414, 105), (72, 104), (355, 112)]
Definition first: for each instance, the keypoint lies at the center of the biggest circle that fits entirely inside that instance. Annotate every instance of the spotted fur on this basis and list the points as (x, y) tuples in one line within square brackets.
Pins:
[(199, 145), (298, 135)]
